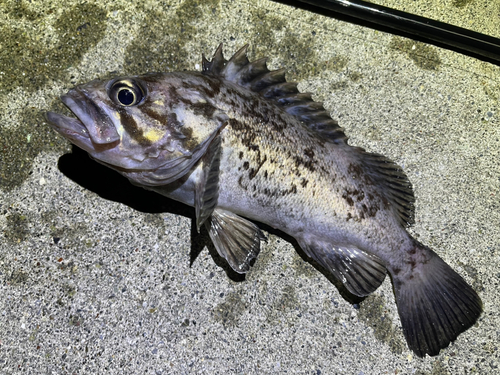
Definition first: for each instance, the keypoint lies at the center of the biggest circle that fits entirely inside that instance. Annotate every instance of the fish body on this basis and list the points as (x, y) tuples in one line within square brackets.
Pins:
[(238, 142)]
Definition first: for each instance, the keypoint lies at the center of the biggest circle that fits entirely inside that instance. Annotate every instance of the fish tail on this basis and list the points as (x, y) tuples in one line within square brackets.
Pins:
[(435, 303)]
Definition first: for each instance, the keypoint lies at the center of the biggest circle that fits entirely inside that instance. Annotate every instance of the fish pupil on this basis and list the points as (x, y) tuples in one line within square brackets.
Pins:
[(126, 96)]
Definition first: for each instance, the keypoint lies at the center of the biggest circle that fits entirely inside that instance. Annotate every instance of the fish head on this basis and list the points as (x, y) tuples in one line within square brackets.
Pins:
[(137, 126)]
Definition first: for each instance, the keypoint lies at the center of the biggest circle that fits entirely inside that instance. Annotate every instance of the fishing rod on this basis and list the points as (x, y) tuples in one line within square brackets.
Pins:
[(465, 41)]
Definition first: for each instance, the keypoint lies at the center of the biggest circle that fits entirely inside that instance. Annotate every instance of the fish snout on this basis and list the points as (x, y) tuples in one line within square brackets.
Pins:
[(99, 125)]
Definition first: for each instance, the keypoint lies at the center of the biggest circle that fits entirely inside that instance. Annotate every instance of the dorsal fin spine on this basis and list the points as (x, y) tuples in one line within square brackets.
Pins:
[(272, 85)]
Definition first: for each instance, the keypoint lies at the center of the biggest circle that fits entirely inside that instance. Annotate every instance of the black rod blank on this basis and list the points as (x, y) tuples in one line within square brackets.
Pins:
[(442, 34)]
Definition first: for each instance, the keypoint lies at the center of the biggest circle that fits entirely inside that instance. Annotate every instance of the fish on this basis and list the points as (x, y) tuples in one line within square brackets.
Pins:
[(242, 145)]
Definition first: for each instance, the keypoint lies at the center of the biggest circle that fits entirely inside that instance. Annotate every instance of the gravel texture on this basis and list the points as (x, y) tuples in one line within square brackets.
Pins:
[(97, 276)]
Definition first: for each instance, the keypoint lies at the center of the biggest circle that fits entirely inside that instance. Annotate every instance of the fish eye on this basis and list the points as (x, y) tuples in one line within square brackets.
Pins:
[(127, 92)]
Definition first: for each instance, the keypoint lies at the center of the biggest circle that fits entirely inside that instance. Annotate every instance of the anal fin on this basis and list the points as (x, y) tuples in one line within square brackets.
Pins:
[(360, 272), (236, 239)]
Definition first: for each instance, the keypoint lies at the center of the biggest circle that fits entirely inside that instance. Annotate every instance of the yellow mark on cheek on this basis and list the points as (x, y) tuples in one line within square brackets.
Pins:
[(159, 102), (118, 125), (153, 135)]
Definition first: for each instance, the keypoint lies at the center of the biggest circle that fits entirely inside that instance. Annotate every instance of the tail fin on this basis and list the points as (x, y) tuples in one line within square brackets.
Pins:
[(435, 305)]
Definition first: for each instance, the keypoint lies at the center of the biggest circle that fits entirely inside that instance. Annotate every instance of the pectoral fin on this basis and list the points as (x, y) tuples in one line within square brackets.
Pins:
[(236, 239), (207, 187), (359, 271)]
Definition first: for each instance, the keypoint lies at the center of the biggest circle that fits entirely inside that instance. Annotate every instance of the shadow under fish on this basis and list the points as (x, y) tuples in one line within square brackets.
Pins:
[(238, 142)]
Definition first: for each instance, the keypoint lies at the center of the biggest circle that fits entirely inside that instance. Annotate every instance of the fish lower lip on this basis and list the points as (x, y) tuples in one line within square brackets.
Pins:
[(67, 125), (71, 129)]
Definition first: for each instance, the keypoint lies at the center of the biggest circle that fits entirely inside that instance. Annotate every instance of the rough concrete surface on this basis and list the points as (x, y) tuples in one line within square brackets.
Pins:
[(97, 276)]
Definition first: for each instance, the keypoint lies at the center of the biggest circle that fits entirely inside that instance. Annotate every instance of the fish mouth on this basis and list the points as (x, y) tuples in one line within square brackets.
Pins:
[(92, 129), (71, 129)]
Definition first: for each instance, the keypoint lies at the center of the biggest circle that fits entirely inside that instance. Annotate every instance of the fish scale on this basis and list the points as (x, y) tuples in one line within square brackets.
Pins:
[(238, 142)]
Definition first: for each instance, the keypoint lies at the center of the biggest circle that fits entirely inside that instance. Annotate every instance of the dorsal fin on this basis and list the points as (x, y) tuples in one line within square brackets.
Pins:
[(273, 86)]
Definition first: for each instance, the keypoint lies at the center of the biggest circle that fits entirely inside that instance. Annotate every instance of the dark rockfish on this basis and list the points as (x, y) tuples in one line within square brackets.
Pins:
[(238, 142)]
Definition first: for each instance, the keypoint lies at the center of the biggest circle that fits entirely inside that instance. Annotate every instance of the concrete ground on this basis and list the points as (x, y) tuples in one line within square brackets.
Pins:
[(97, 276)]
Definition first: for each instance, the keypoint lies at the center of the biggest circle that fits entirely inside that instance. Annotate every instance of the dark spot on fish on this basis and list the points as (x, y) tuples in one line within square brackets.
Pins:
[(309, 152), (304, 182), (172, 121), (253, 172), (348, 199), (246, 165), (240, 183), (373, 209), (265, 174), (350, 195), (349, 216), (355, 171), (204, 109), (307, 164), (396, 271), (254, 148), (173, 97), (240, 155), (278, 192)]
